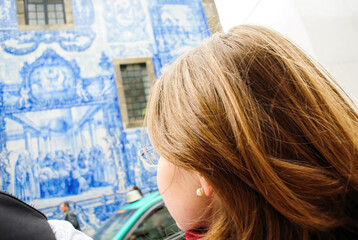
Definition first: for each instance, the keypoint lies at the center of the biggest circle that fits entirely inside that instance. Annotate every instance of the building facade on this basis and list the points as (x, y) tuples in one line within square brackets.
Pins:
[(74, 80)]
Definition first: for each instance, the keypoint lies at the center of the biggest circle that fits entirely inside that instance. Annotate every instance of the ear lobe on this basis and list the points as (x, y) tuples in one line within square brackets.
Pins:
[(208, 189)]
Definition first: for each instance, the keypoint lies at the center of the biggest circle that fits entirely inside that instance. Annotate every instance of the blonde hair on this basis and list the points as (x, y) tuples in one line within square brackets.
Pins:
[(269, 130)]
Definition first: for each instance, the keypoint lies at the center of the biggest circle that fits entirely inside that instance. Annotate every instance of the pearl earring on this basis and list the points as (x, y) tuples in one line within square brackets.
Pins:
[(200, 192)]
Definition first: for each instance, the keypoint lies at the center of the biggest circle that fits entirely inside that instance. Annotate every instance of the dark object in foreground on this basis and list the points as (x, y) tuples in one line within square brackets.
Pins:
[(18, 220)]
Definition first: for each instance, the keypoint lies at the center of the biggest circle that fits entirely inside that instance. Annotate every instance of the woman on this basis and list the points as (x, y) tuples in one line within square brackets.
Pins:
[(256, 141)]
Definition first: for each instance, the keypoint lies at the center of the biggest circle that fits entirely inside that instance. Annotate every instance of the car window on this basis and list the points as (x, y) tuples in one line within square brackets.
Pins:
[(111, 227), (157, 225)]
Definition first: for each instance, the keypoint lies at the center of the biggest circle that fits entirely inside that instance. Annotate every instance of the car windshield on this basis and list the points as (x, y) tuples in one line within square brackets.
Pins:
[(110, 229), (157, 225)]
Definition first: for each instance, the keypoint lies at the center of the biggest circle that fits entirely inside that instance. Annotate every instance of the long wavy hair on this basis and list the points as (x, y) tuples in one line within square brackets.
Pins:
[(269, 129)]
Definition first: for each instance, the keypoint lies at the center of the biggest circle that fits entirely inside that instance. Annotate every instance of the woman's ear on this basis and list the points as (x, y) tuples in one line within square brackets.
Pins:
[(208, 189)]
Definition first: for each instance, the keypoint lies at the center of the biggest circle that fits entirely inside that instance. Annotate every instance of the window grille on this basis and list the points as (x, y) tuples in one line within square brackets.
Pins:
[(45, 12), (136, 86)]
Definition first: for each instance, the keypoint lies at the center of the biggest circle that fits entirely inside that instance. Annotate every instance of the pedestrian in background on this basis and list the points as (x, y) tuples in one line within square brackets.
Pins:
[(70, 215)]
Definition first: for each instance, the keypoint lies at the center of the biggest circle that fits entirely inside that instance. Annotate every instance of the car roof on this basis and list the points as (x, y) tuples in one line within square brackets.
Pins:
[(144, 202)]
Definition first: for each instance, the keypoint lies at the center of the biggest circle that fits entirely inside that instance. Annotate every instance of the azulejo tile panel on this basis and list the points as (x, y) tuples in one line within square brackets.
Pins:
[(22, 43), (8, 14), (61, 134), (127, 19)]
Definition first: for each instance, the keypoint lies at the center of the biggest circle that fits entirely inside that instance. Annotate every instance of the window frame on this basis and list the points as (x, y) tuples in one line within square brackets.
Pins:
[(120, 90), (21, 10), (45, 4)]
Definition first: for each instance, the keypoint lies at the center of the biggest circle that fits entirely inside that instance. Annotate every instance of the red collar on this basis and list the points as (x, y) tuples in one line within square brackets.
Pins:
[(191, 235)]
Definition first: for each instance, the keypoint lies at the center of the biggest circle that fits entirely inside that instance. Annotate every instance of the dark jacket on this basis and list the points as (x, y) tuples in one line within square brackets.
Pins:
[(19, 220), (72, 218)]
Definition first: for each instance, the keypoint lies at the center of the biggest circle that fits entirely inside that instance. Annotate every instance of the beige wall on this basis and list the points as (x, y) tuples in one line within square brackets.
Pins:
[(212, 16), (332, 28), (326, 29)]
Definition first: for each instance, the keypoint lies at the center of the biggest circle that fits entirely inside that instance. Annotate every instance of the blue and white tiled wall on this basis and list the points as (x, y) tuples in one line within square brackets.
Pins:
[(61, 135)]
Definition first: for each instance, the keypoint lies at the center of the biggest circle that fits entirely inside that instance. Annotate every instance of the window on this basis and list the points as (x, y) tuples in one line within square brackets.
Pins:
[(136, 87), (134, 78), (37, 15), (116, 222), (158, 225), (41, 12)]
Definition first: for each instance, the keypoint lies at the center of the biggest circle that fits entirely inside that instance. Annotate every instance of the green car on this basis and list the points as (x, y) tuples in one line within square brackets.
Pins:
[(147, 218)]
